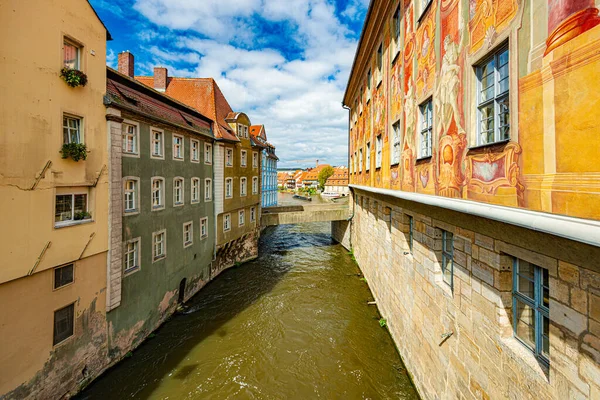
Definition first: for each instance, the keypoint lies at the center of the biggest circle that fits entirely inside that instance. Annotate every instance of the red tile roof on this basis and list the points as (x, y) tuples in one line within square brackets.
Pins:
[(204, 95)]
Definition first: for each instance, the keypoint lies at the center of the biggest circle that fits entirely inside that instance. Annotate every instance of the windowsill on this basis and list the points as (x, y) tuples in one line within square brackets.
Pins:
[(394, 164), (178, 159), (227, 230), (421, 160), (203, 237), (427, 7), (63, 286), (65, 224), (157, 259), (208, 162), (131, 271), (195, 202), (188, 244), (196, 161), (158, 208), (128, 213), (207, 200), (520, 352), (229, 197), (64, 341), (487, 145), (396, 53), (379, 82), (178, 204), (228, 165), (157, 157), (127, 154)]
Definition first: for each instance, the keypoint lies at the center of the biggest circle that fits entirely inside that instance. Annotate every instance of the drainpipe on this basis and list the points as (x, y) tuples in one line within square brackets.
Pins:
[(345, 107)]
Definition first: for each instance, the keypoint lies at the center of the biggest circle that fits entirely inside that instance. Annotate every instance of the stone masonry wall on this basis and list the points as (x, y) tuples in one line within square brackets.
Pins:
[(236, 251), (482, 359)]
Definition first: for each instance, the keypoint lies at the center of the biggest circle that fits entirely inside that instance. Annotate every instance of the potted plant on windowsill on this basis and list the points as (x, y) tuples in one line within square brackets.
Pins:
[(77, 151), (82, 215), (73, 77)]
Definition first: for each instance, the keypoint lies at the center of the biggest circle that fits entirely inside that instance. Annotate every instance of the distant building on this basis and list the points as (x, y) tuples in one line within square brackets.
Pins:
[(269, 166), (311, 178), (282, 178), (338, 182)]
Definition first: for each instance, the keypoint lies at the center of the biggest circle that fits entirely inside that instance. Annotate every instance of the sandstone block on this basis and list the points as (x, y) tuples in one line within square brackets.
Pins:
[(568, 272), (484, 241), (579, 300), (482, 272), (568, 318)]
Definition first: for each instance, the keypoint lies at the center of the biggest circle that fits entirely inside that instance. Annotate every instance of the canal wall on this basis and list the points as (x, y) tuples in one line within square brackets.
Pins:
[(461, 343), (240, 250)]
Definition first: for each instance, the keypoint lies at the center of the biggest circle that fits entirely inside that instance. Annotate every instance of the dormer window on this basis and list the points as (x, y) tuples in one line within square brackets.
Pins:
[(71, 54)]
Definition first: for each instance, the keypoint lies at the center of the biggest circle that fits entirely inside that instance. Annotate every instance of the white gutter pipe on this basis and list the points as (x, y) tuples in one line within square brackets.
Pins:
[(578, 229)]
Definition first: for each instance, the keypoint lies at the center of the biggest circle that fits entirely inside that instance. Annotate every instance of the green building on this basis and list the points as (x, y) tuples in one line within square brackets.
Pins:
[(161, 208)]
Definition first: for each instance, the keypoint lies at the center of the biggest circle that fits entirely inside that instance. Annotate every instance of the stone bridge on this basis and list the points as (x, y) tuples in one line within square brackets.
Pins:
[(299, 214)]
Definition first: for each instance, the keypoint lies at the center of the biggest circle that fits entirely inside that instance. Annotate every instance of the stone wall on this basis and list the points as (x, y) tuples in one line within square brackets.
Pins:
[(236, 251), (340, 232), (481, 359)]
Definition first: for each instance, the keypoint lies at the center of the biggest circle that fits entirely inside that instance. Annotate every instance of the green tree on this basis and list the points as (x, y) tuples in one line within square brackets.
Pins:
[(324, 175)]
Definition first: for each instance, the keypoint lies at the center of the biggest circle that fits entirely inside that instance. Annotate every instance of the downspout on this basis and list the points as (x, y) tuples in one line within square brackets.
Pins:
[(349, 219)]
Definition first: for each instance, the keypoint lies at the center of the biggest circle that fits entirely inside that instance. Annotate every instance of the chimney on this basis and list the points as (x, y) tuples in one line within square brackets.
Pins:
[(126, 63), (160, 79), (317, 163)]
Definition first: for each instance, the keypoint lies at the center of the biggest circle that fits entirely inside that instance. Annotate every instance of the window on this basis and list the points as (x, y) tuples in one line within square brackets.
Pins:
[(378, 150), (228, 188), (203, 228), (188, 234), (493, 110), (252, 214), (158, 193), (368, 157), (351, 165), (396, 27), (243, 186), (178, 191), (226, 222), (63, 276), (130, 193), (207, 189), (207, 153), (254, 159), (158, 145), (71, 208), (396, 145), (194, 150), (369, 85), (132, 255), (159, 245), (426, 129), (447, 258), (71, 54), (379, 63), (244, 153), (411, 230), (178, 147), (63, 324), (130, 139), (255, 185), (242, 217), (195, 190), (360, 160), (71, 129), (229, 157), (531, 308)]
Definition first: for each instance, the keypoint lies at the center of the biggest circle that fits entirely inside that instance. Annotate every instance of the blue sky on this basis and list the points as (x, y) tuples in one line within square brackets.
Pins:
[(285, 63)]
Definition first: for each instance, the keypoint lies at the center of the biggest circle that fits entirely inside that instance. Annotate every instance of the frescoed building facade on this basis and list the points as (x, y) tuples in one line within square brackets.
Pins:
[(236, 166), (338, 182), (268, 168), (54, 197), (162, 206), (476, 183)]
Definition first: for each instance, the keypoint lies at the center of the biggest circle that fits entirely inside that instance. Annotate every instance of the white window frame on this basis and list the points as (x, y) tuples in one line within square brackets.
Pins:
[(137, 242), (396, 32), (243, 158), (207, 193), (196, 186), (73, 221), (79, 129), (136, 195), (226, 222), (496, 99), (155, 257), (189, 242), (241, 217), (426, 129), (243, 186), (368, 157), (369, 84), (255, 185), (379, 64), (360, 160), (252, 214), (255, 159), (228, 157), (182, 181), (208, 154), (203, 227), (78, 46), (136, 138), (161, 193), (396, 148), (229, 184), (195, 158), (182, 148), (378, 151), (160, 156)]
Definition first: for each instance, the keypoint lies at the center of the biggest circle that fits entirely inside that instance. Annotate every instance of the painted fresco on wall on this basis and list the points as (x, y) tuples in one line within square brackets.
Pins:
[(487, 19), (425, 43), (396, 90), (409, 103)]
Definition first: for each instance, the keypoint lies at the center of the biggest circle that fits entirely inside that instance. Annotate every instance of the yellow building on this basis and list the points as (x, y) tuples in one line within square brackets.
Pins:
[(476, 181), (54, 210)]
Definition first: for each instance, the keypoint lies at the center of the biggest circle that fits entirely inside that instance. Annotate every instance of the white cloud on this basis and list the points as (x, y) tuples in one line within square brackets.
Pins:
[(297, 97)]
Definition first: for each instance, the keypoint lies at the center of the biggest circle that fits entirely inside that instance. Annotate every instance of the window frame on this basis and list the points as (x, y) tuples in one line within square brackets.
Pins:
[(136, 195), (78, 62), (182, 152), (396, 32), (255, 162), (379, 64), (138, 242), (252, 214), (537, 306), (426, 127), (396, 134), (189, 243), (226, 225), (160, 156), (162, 192), (136, 142), (496, 98), (448, 255), (241, 218), (255, 185), (54, 282), (195, 180), (378, 151), (360, 160), (229, 182), (243, 158), (156, 258), (182, 181), (62, 340), (80, 136), (411, 233), (73, 221), (208, 149), (197, 158), (243, 186), (208, 181), (229, 154), (368, 157), (203, 225)]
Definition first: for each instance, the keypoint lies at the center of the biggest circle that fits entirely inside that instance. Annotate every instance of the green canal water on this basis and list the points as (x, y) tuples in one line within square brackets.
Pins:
[(294, 324)]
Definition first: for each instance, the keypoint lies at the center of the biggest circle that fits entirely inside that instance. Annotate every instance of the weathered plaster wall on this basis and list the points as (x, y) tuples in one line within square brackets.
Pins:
[(482, 359), (236, 251)]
